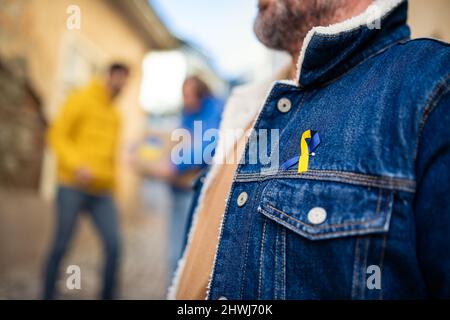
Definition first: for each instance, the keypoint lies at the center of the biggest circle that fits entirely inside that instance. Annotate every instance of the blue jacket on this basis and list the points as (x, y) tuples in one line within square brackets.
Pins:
[(197, 124), (370, 219)]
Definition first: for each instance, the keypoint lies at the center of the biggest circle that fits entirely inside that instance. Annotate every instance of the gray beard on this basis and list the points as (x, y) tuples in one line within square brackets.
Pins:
[(286, 25)]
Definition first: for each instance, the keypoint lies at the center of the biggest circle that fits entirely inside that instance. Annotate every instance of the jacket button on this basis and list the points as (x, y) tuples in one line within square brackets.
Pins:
[(317, 216), (284, 105), (222, 298), (242, 199)]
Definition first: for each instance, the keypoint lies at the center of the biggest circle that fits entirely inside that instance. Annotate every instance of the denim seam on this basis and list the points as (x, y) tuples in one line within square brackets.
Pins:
[(319, 171), (283, 263), (432, 103), (383, 249), (335, 176), (244, 268), (276, 262), (344, 174), (261, 259), (385, 185), (364, 283), (356, 269), (213, 271)]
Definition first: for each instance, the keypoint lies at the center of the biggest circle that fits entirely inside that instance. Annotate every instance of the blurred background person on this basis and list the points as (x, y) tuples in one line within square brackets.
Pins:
[(200, 107), (84, 138)]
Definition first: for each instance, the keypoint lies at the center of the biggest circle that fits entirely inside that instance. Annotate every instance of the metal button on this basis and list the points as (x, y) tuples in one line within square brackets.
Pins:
[(317, 216), (222, 298), (284, 105), (242, 199)]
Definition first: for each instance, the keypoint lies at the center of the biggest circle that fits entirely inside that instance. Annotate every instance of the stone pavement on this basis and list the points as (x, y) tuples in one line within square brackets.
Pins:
[(25, 232)]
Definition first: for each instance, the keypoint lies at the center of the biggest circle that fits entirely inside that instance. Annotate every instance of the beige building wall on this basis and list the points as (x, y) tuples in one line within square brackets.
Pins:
[(57, 59), (430, 19)]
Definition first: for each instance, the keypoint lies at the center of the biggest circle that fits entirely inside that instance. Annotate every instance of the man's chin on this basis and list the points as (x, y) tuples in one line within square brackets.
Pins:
[(263, 5)]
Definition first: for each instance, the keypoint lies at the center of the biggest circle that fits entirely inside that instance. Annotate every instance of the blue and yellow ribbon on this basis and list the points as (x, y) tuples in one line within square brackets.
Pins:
[(303, 162), (309, 142)]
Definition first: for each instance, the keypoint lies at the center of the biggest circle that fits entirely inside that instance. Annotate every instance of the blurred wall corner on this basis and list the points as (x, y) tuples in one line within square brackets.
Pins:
[(22, 126), (430, 19), (42, 60)]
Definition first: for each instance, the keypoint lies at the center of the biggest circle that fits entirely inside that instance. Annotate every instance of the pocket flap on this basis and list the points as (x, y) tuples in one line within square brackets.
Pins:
[(323, 210)]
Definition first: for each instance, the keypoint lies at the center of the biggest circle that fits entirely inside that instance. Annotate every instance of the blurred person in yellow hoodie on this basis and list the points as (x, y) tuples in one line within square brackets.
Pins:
[(84, 138)]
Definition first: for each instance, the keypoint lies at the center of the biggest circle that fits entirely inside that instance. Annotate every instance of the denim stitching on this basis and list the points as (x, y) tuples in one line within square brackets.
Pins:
[(383, 249), (261, 259), (283, 264), (348, 176), (316, 173), (364, 183), (364, 283), (356, 269), (218, 249), (354, 175), (276, 262), (335, 176), (431, 104), (244, 268)]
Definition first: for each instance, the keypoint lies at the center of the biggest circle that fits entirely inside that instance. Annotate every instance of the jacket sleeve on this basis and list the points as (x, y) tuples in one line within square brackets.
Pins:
[(60, 134), (106, 175), (432, 201)]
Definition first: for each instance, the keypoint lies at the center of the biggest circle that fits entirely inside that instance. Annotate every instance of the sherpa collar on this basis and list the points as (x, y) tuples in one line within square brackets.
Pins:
[(328, 52)]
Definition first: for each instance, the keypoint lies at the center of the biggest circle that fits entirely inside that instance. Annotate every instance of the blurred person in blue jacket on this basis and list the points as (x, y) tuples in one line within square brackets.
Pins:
[(201, 113)]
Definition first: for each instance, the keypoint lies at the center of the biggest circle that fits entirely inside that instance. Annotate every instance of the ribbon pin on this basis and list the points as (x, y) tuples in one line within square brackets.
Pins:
[(308, 144)]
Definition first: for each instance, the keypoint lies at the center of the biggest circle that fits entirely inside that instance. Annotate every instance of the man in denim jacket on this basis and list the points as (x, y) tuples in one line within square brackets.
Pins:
[(359, 206)]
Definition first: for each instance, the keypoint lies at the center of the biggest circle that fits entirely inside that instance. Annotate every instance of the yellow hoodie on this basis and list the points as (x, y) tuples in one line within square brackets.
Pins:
[(85, 134)]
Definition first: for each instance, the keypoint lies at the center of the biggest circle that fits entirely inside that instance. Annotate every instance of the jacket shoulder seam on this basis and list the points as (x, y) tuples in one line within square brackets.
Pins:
[(442, 88)]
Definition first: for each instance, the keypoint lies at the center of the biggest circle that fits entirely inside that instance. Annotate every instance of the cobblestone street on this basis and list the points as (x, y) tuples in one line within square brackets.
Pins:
[(25, 232)]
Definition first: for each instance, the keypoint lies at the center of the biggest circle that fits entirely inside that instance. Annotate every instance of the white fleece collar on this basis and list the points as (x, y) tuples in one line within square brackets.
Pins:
[(375, 12)]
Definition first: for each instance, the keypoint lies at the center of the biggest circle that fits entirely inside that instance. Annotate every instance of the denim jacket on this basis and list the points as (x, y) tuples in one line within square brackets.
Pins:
[(370, 218)]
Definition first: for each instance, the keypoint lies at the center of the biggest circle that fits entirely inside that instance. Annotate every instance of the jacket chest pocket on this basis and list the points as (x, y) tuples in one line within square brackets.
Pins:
[(320, 210)]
